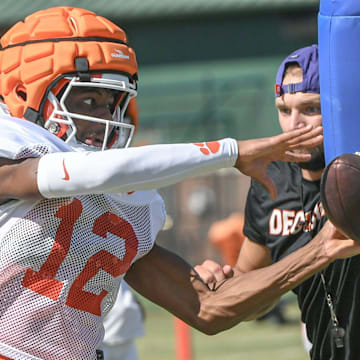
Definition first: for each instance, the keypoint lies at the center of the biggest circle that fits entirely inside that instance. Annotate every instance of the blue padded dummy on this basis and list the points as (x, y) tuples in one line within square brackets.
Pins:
[(339, 61)]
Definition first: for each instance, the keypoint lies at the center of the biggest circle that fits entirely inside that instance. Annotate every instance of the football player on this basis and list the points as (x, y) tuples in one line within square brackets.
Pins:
[(74, 220), (124, 323)]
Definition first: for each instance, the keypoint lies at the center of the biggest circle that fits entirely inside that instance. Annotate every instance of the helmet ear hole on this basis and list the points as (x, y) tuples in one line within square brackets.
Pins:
[(55, 128), (20, 92)]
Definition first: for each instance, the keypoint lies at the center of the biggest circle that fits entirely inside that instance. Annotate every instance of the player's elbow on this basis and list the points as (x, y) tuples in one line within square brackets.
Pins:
[(211, 331), (207, 328), (216, 327), (213, 320)]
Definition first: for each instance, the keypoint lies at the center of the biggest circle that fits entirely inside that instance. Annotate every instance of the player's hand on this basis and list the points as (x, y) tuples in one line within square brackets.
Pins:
[(211, 272), (337, 245), (255, 155)]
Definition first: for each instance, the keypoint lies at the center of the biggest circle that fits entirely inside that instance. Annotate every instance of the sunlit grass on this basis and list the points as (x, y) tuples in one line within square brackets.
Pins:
[(253, 340)]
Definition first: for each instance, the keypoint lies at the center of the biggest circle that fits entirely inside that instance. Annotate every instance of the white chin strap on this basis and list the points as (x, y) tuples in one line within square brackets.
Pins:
[(61, 115)]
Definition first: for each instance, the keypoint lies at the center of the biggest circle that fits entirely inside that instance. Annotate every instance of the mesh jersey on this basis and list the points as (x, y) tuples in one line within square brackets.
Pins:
[(62, 260), (125, 321), (290, 222)]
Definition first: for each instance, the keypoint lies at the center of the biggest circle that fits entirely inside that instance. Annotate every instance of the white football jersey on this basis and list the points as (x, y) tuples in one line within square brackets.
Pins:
[(62, 260)]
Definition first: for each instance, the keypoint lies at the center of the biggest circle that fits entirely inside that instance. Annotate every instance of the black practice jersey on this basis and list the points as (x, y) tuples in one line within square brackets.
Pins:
[(288, 223)]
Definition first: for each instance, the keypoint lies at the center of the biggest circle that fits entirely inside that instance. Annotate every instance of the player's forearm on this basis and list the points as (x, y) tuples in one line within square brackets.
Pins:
[(242, 296), (171, 283), (133, 169), (263, 311), (168, 280), (176, 287)]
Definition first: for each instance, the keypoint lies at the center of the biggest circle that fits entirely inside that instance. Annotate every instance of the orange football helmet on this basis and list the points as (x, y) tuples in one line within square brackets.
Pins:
[(54, 50)]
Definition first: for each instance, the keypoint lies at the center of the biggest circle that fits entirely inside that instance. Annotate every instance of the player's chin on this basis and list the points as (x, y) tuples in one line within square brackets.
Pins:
[(317, 161)]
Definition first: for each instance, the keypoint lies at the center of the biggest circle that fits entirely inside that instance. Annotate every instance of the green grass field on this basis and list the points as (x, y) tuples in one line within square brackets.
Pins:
[(253, 340)]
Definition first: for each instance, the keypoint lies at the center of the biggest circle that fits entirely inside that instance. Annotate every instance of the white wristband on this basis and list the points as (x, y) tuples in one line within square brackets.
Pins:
[(132, 169)]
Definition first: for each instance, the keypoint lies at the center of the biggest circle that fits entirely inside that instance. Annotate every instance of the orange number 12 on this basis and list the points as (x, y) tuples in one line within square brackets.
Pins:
[(44, 282)]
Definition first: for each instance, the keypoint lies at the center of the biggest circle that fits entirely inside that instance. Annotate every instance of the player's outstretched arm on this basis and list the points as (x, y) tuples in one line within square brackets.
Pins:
[(255, 155), (169, 281), (65, 174)]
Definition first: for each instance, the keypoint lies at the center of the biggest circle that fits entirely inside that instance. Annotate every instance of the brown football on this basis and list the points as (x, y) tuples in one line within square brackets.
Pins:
[(340, 194)]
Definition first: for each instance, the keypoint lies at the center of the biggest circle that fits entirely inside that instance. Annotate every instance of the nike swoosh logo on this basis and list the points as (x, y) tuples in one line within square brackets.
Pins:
[(67, 177)]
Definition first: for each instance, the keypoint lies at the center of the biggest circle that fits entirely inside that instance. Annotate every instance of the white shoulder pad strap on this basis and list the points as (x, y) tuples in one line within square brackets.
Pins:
[(131, 169)]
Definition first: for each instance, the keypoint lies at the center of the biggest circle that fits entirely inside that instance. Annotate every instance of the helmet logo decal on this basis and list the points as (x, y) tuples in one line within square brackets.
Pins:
[(120, 54)]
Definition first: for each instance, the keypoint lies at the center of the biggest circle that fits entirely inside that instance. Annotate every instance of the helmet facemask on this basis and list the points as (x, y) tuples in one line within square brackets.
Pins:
[(64, 122)]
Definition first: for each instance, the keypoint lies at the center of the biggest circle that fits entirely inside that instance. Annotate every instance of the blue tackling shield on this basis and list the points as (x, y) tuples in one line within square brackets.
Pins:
[(339, 61)]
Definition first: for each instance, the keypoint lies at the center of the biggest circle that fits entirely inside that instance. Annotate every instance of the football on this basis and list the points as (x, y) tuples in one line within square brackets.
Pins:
[(340, 193)]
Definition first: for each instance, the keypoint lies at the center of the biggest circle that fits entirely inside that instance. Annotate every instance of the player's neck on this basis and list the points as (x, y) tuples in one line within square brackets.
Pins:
[(311, 175)]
